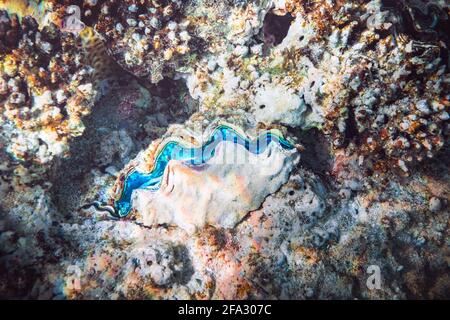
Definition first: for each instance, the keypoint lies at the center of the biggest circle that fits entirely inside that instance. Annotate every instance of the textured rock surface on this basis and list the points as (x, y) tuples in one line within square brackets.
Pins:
[(362, 85)]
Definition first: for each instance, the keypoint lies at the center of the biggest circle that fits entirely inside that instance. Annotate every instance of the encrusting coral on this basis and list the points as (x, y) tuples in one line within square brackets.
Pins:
[(353, 69), (146, 38), (45, 90)]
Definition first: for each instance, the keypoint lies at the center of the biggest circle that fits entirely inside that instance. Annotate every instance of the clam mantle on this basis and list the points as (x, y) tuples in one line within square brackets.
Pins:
[(192, 180)]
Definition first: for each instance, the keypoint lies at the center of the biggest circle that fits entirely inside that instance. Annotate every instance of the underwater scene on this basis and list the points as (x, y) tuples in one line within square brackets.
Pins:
[(224, 149)]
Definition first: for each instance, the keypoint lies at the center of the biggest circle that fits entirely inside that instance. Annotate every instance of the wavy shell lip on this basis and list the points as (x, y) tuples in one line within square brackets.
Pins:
[(192, 153), (219, 193)]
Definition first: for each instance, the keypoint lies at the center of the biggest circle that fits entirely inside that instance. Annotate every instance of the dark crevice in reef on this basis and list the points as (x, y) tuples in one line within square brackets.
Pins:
[(436, 166), (356, 288), (424, 21), (18, 286), (273, 31), (184, 275), (275, 28), (316, 156), (164, 88), (351, 130)]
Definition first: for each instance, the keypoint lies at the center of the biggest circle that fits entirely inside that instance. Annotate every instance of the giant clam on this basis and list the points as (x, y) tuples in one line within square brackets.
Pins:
[(216, 178)]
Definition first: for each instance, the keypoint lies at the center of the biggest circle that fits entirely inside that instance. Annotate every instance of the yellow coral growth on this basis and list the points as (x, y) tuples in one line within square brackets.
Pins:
[(23, 8)]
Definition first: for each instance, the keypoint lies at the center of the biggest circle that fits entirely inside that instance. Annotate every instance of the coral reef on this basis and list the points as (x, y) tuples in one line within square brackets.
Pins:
[(350, 68), (147, 38), (264, 149), (45, 90)]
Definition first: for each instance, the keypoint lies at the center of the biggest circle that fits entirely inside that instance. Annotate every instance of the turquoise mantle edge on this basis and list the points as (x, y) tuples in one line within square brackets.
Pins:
[(173, 150)]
